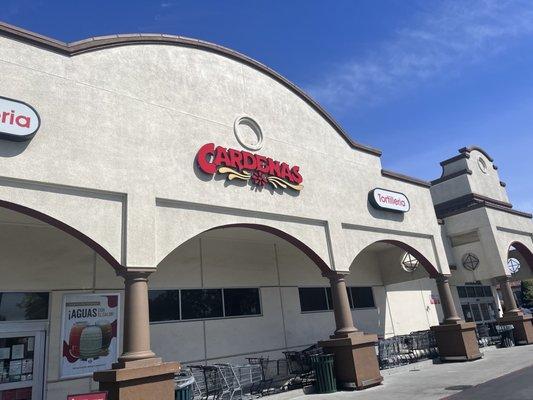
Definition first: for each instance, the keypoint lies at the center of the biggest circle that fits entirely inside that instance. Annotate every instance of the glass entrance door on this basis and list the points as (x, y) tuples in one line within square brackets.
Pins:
[(21, 365)]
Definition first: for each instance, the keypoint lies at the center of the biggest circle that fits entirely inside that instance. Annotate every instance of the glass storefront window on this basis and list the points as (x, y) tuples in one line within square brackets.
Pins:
[(164, 305), (467, 313), (241, 302), (487, 291), (485, 311), (16, 306), (313, 299), (363, 297), (479, 291), (185, 304), (16, 359), (201, 303), (330, 299), (470, 291), (476, 312), (462, 291)]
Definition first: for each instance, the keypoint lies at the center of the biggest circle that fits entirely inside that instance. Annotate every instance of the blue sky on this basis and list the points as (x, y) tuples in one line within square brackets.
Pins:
[(416, 79)]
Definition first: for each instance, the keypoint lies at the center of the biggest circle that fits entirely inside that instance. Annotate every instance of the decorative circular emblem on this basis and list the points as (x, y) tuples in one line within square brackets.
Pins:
[(482, 165), (470, 261), (248, 133), (409, 262), (513, 265)]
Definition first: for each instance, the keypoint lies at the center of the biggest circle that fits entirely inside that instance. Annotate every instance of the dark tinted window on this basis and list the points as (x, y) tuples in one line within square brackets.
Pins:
[(330, 299), (313, 299), (487, 291), (23, 306), (470, 291), (462, 291), (476, 312), (201, 303), (241, 302), (164, 305), (479, 291), (350, 297), (362, 297), (467, 313)]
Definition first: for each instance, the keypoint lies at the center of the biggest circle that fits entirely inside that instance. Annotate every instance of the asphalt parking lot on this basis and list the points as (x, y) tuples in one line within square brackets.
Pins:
[(517, 385), (501, 374)]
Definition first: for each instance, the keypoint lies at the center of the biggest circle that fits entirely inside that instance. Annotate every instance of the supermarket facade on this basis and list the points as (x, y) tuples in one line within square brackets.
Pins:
[(165, 199)]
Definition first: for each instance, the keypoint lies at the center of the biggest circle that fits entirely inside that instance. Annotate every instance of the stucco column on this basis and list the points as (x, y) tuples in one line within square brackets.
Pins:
[(509, 301), (138, 374), (446, 298), (341, 305), (136, 317)]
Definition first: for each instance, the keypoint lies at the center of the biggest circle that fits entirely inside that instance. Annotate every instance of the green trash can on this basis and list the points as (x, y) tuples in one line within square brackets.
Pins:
[(184, 393), (325, 377), (183, 390)]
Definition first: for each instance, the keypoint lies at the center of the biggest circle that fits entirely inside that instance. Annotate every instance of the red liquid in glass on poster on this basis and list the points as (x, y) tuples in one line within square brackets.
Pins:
[(88, 396), (89, 333)]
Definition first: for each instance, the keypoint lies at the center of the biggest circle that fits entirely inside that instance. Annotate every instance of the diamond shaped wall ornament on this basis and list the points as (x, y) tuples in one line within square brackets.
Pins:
[(409, 262), (513, 265), (470, 261)]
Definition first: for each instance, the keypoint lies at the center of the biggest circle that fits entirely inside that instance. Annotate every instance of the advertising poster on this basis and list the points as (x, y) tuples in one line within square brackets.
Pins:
[(89, 334)]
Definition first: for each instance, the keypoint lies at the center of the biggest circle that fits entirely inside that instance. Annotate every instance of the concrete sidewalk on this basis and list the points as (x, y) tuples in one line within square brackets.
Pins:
[(428, 381)]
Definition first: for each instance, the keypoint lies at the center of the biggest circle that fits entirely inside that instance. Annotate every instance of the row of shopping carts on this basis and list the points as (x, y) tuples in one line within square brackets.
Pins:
[(222, 381), (495, 334), (405, 349), (260, 376)]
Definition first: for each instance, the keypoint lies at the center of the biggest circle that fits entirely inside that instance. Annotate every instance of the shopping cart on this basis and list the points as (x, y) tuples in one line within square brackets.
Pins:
[(230, 385)]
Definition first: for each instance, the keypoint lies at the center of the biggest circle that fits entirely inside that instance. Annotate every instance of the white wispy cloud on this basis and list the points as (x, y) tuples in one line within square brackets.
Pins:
[(439, 42)]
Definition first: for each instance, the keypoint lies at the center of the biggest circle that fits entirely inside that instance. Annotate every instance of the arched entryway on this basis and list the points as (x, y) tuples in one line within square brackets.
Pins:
[(45, 261), (398, 276), (54, 222), (411, 295), (519, 267), (239, 290), (523, 254)]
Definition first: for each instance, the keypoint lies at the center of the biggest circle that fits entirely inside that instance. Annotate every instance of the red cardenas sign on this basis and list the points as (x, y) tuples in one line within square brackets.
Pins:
[(239, 164), (18, 121), (389, 200)]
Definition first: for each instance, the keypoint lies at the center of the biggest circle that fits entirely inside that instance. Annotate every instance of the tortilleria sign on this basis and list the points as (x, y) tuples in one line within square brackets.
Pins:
[(238, 164), (18, 121), (388, 200)]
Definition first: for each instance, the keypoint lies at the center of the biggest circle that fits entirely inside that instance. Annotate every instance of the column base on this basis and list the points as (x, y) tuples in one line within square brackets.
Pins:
[(139, 380), (457, 342), (523, 327), (356, 363)]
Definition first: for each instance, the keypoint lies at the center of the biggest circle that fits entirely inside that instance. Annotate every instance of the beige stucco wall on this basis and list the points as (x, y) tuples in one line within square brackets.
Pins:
[(39, 257), (476, 181), (115, 159), (120, 130), (486, 184)]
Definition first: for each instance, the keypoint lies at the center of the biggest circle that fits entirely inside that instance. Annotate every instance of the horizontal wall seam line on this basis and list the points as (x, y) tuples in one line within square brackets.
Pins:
[(386, 230), (516, 231), (194, 206), (60, 188)]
